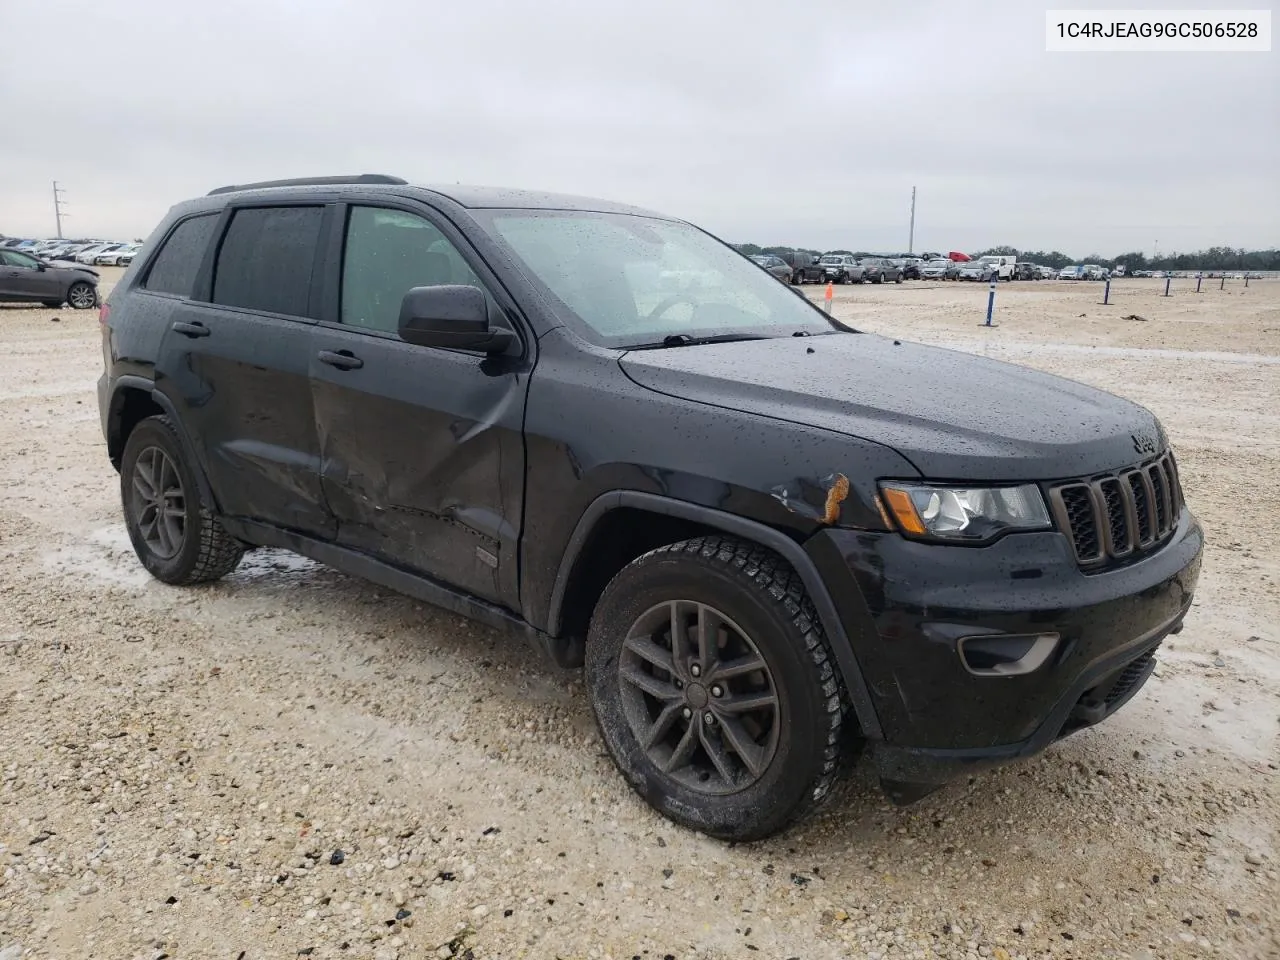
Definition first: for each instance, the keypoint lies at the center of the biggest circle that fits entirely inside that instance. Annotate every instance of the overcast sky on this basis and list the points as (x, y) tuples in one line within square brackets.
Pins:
[(773, 122)]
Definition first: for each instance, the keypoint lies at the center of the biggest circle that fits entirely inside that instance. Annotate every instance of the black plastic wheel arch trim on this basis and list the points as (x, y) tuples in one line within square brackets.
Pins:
[(780, 543), (147, 387)]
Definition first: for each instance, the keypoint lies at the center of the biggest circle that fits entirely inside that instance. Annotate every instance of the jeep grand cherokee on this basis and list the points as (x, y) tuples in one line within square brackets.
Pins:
[(773, 541)]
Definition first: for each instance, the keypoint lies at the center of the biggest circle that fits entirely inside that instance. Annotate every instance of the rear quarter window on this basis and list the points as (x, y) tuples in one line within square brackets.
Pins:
[(176, 265)]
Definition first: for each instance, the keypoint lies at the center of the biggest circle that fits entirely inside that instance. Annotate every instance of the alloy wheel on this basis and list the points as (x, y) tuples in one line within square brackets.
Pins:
[(699, 697), (159, 503), (81, 296)]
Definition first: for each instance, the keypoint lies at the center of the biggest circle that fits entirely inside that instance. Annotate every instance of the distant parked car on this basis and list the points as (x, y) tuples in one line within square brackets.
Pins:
[(1003, 266), (978, 270), (26, 279), (1091, 271), (773, 265), (878, 270), (1024, 270), (1071, 273), (841, 268), (86, 254), (1047, 273), (108, 254), (805, 267), (941, 268), (911, 267)]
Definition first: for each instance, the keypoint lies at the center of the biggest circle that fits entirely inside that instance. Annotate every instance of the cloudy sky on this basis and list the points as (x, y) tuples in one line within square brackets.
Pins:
[(774, 122)]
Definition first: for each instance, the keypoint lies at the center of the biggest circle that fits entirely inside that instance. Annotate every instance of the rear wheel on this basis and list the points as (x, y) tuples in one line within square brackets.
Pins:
[(173, 531), (82, 296), (713, 685)]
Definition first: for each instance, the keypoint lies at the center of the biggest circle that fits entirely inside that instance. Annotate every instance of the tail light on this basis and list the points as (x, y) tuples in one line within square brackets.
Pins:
[(104, 311)]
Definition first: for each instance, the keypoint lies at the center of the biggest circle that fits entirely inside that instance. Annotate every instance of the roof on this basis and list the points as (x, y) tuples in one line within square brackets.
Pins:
[(473, 197)]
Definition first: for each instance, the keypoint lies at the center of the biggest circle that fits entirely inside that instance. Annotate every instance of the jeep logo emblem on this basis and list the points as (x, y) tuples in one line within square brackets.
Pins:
[(1144, 443)]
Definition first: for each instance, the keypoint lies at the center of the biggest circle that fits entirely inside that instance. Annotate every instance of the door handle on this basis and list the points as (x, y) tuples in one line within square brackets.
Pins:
[(191, 329), (342, 359)]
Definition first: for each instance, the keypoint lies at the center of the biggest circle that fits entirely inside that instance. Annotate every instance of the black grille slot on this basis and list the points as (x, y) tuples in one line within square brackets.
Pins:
[(1141, 508), (1116, 515), (1159, 484), (1129, 676), (1077, 502)]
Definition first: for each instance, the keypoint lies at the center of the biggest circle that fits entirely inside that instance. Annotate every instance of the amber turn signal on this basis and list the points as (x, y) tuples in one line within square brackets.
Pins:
[(904, 511)]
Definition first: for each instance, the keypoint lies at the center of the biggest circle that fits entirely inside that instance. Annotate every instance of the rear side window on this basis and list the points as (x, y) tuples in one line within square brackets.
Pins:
[(266, 259), (178, 262)]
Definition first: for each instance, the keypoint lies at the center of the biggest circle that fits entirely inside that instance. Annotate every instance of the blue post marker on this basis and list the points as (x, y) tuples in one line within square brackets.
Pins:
[(1223, 284), (1106, 293), (1199, 277), (1246, 281), (991, 302), (1167, 281)]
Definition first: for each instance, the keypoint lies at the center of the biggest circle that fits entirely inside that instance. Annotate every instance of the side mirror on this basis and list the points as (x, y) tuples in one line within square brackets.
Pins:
[(452, 316)]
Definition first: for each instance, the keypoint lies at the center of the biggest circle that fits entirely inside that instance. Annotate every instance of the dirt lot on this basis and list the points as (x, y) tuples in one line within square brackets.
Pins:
[(295, 763)]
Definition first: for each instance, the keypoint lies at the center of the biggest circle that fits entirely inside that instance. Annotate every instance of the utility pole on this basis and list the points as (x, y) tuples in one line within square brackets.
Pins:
[(911, 237), (58, 204)]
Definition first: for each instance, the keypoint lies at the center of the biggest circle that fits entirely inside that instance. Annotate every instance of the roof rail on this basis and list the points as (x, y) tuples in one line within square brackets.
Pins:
[(310, 182)]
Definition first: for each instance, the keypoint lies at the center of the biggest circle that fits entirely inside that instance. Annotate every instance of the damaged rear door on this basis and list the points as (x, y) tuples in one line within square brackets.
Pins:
[(421, 451)]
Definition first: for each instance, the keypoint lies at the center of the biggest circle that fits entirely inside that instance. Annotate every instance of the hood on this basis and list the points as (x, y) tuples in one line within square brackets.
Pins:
[(955, 416)]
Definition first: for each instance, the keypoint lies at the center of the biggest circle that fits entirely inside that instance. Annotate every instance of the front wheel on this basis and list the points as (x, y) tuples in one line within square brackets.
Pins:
[(898, 278), (82, 296), (714, 689)]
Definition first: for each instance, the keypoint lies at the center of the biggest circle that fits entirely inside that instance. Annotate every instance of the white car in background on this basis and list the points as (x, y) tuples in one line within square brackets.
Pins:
[(1001, 266), (1071, 273), (86, 254), (122, 256)]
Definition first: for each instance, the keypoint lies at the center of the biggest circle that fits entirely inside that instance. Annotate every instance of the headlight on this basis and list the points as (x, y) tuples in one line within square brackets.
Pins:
[(965, 514)]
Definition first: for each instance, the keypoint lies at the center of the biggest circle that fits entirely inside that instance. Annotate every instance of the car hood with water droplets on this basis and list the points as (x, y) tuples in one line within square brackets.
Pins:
[(954, 415)]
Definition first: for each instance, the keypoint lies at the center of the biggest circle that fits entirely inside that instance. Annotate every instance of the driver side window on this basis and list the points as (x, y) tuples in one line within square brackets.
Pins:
[(14, 259), (388, 253)]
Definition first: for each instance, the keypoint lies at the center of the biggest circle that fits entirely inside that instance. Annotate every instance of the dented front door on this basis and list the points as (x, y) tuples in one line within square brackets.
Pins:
[(421, 457)]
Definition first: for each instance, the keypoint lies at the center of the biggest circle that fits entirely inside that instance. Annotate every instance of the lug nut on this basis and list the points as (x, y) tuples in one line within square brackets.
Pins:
[(717, 691), (696, 670), (679, 684), (708, 718), (687, 713)]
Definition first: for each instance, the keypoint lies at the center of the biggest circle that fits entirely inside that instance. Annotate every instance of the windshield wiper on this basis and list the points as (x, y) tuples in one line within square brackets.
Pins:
[(685, 340)]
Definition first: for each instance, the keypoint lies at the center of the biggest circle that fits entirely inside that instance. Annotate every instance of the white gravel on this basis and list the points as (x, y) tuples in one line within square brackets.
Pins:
[(295, 763)]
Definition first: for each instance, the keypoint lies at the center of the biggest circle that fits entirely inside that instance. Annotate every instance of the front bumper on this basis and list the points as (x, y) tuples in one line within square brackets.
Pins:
[(906, 607)]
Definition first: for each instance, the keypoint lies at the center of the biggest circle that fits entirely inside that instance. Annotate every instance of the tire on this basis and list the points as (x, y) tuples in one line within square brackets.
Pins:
[(753, 593), (878, 279), (898, 278), (82, 296), (203, 550)]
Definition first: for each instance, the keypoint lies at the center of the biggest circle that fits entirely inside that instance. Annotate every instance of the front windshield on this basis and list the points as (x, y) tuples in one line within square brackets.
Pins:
[(831, 260), (631, 280), (939, 263)]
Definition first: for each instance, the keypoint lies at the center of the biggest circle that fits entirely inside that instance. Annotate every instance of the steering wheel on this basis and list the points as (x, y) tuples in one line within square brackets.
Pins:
[(670, 302)]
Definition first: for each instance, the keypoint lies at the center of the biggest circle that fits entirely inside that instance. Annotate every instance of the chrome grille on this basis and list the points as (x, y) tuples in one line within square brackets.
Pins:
[(1113, 516)]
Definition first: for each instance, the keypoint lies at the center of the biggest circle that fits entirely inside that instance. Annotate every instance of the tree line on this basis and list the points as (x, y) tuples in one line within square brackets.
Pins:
[(1214, 258)]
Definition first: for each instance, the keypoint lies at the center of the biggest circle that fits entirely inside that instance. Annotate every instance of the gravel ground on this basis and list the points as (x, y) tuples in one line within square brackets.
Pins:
[(295, 763)]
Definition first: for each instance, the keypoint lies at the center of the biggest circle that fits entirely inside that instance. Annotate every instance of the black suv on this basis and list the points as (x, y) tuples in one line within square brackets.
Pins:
[(805, 267), (774, 541)]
